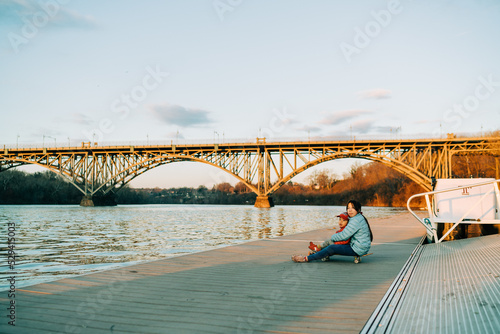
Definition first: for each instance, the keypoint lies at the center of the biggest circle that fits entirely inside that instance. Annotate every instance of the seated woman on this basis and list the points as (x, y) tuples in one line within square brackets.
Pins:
[(357, 230)]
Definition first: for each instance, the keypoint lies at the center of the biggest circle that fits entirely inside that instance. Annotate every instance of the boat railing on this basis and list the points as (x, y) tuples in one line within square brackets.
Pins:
[(430, 222)]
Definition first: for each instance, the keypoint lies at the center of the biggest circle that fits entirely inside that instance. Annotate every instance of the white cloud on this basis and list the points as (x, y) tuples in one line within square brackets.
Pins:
[(368, 125), (14, 11), (47, 134), (362, 125), (309, 128), (428, 121), (342, 116), (375, 94), (181, 116), (82, 119)]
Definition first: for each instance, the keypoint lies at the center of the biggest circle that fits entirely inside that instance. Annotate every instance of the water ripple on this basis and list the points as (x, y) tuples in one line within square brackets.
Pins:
[(53, 242)]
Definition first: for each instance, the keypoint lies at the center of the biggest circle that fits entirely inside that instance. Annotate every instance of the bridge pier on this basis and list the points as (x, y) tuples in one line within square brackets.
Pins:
[(98, 200), (264, 202), (87, 201)]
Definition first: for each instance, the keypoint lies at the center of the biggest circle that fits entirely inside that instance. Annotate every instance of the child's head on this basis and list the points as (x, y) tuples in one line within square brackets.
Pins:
[(343, 219)]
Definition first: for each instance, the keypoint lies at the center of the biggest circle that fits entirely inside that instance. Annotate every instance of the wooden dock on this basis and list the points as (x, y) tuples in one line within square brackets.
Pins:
[(253, 287)]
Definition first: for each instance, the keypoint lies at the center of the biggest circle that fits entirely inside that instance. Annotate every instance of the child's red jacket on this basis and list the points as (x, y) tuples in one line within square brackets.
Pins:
[(344, 242)]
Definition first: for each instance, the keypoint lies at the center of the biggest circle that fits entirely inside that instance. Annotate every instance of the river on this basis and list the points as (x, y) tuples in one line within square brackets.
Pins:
[(54, 241)]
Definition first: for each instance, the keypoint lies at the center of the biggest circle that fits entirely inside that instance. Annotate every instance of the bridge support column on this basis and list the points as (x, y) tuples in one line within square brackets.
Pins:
[(87, 201), (98, 200), (264, 202)]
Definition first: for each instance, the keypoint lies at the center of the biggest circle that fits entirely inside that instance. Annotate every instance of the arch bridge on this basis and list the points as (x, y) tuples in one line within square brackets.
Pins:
[(98, 171)]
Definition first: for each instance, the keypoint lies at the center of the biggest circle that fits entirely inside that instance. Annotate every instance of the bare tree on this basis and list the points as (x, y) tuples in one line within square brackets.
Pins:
[(322, 179)]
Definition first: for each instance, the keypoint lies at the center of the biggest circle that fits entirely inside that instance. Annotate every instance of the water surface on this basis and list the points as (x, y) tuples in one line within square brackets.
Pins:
[(53, 241)]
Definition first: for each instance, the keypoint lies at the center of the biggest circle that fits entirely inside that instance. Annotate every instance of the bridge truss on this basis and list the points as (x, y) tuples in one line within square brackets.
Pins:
[(263, 166)]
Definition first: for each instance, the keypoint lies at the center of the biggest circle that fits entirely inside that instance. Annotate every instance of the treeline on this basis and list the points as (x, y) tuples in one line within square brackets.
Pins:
[(372, 184), (18, 187), (222, 193)]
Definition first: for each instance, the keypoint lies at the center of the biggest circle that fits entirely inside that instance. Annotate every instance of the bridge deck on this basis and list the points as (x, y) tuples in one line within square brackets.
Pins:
[(247, 288)]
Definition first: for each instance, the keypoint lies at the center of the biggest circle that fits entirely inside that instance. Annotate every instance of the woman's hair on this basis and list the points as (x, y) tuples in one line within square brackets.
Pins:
[(357, 206)]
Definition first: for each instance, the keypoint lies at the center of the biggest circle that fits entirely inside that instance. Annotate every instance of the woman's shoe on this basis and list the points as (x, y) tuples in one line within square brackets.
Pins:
[(299, 258)]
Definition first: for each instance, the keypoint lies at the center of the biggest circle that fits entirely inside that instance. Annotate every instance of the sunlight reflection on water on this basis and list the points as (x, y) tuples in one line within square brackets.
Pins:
[(58, 241)]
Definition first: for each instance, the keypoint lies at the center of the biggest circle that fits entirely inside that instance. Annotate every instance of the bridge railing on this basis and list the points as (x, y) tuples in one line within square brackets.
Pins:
[(76, 143)]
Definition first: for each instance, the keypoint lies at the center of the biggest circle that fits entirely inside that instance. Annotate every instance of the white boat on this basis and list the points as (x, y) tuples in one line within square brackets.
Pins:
[(453, 202)]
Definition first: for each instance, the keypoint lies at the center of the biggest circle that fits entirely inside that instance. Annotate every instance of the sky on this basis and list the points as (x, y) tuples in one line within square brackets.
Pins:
[(206, 71)]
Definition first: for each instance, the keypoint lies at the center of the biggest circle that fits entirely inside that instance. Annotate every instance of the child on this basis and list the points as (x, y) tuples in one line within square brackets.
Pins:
[(343, 220)]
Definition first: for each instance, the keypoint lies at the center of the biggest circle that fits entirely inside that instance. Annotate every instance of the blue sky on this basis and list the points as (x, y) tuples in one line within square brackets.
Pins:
[(160, 71)]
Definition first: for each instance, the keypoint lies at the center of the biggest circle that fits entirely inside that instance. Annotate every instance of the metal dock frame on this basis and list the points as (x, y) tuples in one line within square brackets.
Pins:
[(431, 229), (385, 311), (454, 287)]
